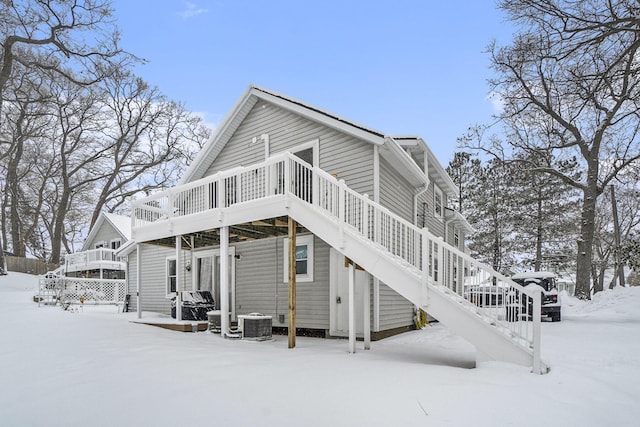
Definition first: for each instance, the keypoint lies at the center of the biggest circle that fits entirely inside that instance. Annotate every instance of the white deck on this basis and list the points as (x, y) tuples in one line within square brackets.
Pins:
[(395, 251)]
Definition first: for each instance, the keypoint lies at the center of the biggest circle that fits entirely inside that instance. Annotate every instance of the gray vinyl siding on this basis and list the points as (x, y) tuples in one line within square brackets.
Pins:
[(395, 192), (350, 158), (260, 286), (395, 310), (433, 224), (105, 234), (153, 291)]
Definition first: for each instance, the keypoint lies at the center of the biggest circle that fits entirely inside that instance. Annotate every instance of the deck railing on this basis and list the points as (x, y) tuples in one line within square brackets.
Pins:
[(476, 286), (92, 256)]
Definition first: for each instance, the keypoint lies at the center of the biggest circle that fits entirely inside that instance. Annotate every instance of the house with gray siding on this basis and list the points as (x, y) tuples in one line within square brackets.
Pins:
[(97, 258), (373, 238)]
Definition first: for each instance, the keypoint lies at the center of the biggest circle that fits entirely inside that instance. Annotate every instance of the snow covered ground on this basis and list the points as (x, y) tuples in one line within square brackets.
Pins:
[(96, 368)]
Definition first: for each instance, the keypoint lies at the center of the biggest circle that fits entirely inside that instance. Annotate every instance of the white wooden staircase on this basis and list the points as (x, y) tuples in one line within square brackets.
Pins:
[(419, 266)]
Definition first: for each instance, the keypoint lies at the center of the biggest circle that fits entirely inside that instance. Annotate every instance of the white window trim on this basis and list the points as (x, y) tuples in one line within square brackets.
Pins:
[(115, 240), (300, 240), (438, 192), (167, 284), (315, 144)]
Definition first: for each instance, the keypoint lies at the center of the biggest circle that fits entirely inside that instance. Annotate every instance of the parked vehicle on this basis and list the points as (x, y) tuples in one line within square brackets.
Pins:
[(487, 294), (551, 305)]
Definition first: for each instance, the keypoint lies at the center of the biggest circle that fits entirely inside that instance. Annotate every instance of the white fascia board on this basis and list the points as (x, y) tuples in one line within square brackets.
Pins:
[(92, 232), (404, 164), (444, 180), (203, 159), (459, 220), (127, 248)]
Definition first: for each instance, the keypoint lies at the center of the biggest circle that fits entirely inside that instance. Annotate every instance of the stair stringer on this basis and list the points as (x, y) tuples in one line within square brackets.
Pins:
[(460, 316)]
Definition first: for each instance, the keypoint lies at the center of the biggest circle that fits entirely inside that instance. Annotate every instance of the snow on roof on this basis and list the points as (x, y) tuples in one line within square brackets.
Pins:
[(121, 223)]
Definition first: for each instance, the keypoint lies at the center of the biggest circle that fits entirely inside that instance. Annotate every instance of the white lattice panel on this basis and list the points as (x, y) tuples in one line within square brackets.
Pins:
[(71, 290)]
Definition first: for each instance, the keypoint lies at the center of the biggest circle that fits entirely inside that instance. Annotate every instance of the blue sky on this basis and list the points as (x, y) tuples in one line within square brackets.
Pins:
[(401, 67)]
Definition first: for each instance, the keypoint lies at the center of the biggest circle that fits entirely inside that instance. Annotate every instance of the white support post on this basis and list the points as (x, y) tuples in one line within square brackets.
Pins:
[(138, 279), (341, 211), (192, 261), (178, 274), (376, 304), (352, 308), (366, 300), (425, 266), (537, 314), (221, 191), (365, 217), (315, 187), (224, 280), (287, 175)]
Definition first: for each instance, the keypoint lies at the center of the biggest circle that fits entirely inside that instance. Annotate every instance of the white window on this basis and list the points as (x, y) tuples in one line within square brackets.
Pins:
[(171, 276), (456, 238), (304, 259), (115, 244), (438, 210)]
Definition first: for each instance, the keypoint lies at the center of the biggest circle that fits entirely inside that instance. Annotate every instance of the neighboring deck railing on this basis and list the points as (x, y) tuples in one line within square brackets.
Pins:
[(92, 257), (495, 298), (75, 290)]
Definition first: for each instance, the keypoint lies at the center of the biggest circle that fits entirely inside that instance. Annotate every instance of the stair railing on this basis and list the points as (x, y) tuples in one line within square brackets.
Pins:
[(437, 265)]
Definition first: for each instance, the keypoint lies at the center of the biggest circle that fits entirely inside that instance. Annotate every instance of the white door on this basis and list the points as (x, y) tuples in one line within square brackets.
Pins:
[(339, 296)]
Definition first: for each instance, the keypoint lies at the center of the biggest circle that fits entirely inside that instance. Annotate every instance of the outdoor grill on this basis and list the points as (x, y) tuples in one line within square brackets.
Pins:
[(195, 305)]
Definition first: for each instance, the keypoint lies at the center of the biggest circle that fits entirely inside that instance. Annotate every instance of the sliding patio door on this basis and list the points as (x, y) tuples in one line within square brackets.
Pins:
[(207, 276)]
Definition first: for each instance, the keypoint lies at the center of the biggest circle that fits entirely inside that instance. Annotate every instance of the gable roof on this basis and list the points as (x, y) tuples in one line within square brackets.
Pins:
[(399, 159), (120, 223)]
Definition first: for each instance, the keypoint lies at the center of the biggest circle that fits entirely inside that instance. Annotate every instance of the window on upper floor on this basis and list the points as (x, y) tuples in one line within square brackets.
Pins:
[(456, 238)]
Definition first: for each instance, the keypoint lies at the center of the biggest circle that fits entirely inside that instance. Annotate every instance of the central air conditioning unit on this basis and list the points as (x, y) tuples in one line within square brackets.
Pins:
[(254, 326)]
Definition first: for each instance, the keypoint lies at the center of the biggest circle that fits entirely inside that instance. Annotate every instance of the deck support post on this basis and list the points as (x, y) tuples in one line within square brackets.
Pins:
[(366, 310), (224, 281), (138, 279), (178, 281), (292, 283), (352, 308)]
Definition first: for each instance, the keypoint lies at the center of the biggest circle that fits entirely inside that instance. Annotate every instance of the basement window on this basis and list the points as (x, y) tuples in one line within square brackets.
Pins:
[(304, 259)]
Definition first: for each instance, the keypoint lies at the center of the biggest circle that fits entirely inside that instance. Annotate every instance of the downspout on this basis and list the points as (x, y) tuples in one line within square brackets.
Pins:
[(415, 203), (425, 161), (265, 138)]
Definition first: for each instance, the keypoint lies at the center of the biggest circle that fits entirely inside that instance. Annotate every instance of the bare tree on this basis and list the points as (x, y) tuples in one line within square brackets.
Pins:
[(149, 140), (59, 36), (570, 84), (74, 39)]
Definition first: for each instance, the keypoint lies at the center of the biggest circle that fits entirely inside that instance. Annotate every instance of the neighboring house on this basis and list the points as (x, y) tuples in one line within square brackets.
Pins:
[(95, 274), (354, 192), (97, 258)]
